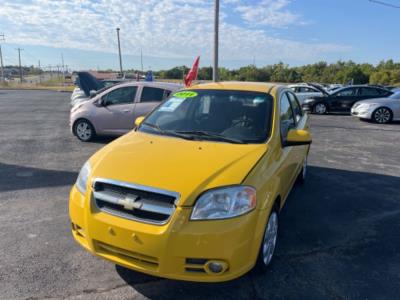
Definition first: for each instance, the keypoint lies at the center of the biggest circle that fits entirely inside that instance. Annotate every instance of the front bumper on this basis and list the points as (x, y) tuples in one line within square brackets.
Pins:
[(180, 249), (363, 114)]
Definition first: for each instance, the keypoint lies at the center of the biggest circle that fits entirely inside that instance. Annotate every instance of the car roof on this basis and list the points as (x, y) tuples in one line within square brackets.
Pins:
[(237, 85), (150, 83)]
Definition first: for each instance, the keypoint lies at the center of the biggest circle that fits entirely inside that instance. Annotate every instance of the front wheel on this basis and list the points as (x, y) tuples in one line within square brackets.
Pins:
[(84, 130), (382, 115), (268, 244), (320, 109)]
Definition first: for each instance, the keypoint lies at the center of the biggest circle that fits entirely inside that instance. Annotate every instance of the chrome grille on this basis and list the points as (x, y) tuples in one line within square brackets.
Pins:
[(133, 201)]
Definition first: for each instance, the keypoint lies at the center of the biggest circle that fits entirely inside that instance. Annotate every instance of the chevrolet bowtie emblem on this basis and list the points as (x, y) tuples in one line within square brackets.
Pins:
[(129, 202)]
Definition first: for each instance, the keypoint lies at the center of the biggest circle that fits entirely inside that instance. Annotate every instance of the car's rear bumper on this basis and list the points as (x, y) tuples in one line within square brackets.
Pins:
[(180, 249)]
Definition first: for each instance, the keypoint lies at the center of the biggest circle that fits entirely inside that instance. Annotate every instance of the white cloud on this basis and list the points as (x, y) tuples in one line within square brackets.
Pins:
[(163, 28), (268, 12)]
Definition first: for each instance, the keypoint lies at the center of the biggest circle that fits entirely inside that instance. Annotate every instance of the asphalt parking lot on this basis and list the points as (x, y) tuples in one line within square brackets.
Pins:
[(339, 238)]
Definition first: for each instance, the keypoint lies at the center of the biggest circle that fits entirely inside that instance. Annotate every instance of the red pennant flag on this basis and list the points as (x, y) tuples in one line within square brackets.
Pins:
[(192, 75)]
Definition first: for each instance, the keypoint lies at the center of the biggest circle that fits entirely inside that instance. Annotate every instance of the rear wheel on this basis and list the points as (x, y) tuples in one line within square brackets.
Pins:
[(320, 109), (268, 244), (84, 130), (382, 115)]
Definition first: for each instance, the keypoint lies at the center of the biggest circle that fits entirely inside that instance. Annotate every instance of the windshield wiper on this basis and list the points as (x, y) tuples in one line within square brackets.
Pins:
[(211, 135), (167, 132)]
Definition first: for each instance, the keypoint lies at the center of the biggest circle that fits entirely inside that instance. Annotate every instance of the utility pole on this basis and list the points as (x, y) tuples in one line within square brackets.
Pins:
[(216, 40), (40, 73), (141, 58), (20, 67), (58, 72), (1, 59), (119, 51), (63, 68)]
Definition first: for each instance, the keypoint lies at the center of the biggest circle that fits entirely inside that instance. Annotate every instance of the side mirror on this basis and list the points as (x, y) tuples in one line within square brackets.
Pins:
[(139, 121), (298, 137)]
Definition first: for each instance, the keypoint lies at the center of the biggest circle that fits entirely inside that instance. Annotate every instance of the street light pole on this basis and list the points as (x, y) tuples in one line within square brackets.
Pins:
[(1, 59), (216, 40), (119, 51)]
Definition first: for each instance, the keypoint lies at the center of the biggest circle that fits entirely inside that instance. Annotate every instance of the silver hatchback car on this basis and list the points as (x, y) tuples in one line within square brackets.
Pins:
[(113, 111)]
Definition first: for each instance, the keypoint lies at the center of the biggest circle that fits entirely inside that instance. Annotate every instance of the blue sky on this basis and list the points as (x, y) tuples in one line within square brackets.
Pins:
[(173, 32)]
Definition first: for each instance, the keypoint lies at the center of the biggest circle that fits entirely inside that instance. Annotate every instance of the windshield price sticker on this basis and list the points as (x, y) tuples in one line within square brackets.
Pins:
[(185, 94), (171, 104)]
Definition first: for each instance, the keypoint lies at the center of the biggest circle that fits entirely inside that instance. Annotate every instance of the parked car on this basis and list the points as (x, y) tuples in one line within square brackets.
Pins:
[(113, 111), (379, 110), (304, 92), (88, 86), (342, 100), (194, 193), (395, 90)]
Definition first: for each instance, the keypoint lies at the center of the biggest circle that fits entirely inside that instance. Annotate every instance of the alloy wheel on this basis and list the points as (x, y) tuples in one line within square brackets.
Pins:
[(270, 236), (382, 115), (320, 108), (84, 131)]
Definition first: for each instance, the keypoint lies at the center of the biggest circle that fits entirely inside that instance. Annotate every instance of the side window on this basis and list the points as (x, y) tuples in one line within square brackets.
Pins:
[(298, 112), (151, 94), (287, 119), (346, 92), (369, 92), (124, 95)]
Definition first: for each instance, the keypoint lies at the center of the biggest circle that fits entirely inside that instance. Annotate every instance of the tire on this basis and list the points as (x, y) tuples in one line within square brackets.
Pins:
[(84, 130), (301, 179), (320, 109), (268, 243), (382, 115)]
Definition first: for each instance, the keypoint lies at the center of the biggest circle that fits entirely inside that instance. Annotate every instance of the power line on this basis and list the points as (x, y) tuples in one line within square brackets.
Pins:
[(385, 3)]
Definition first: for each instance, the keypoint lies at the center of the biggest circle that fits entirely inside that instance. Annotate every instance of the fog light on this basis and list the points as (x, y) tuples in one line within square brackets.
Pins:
[(215, 267)]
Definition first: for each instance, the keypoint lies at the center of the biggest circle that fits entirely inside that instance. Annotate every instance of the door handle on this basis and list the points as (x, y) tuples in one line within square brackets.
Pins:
[(126, 111)]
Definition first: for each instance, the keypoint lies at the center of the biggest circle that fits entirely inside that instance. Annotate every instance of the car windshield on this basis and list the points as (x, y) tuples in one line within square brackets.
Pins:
[(219, 115), (395, 96)]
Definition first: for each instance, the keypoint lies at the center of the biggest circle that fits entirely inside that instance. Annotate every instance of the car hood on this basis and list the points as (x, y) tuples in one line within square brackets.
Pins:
[(87, 82), (173, 164), (375, 100)]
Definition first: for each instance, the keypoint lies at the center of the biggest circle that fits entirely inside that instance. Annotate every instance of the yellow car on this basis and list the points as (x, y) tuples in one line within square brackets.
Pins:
[(194, 192)]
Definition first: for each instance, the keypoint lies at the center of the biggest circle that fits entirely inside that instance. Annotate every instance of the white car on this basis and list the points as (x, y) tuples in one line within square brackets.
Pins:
[(379, 110), (304, 92)]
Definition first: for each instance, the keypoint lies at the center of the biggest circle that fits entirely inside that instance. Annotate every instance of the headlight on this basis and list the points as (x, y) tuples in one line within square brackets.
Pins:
[(83, 177), (222, 203), (308, 100), (365, 106)]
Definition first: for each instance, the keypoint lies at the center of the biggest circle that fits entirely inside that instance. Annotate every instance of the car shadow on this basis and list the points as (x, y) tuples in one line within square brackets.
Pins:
[(14, 177), (338, 239)]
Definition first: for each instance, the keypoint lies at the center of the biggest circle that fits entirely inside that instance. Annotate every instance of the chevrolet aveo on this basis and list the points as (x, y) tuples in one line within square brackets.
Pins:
[(194, 192)]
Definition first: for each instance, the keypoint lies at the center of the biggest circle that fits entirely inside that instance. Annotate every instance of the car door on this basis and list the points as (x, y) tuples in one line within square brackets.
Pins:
[(150, 97), (342, 100), (287, 157), (115, 114)]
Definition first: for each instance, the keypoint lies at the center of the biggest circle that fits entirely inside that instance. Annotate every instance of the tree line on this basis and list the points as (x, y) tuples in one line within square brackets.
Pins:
[(384, 73)]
